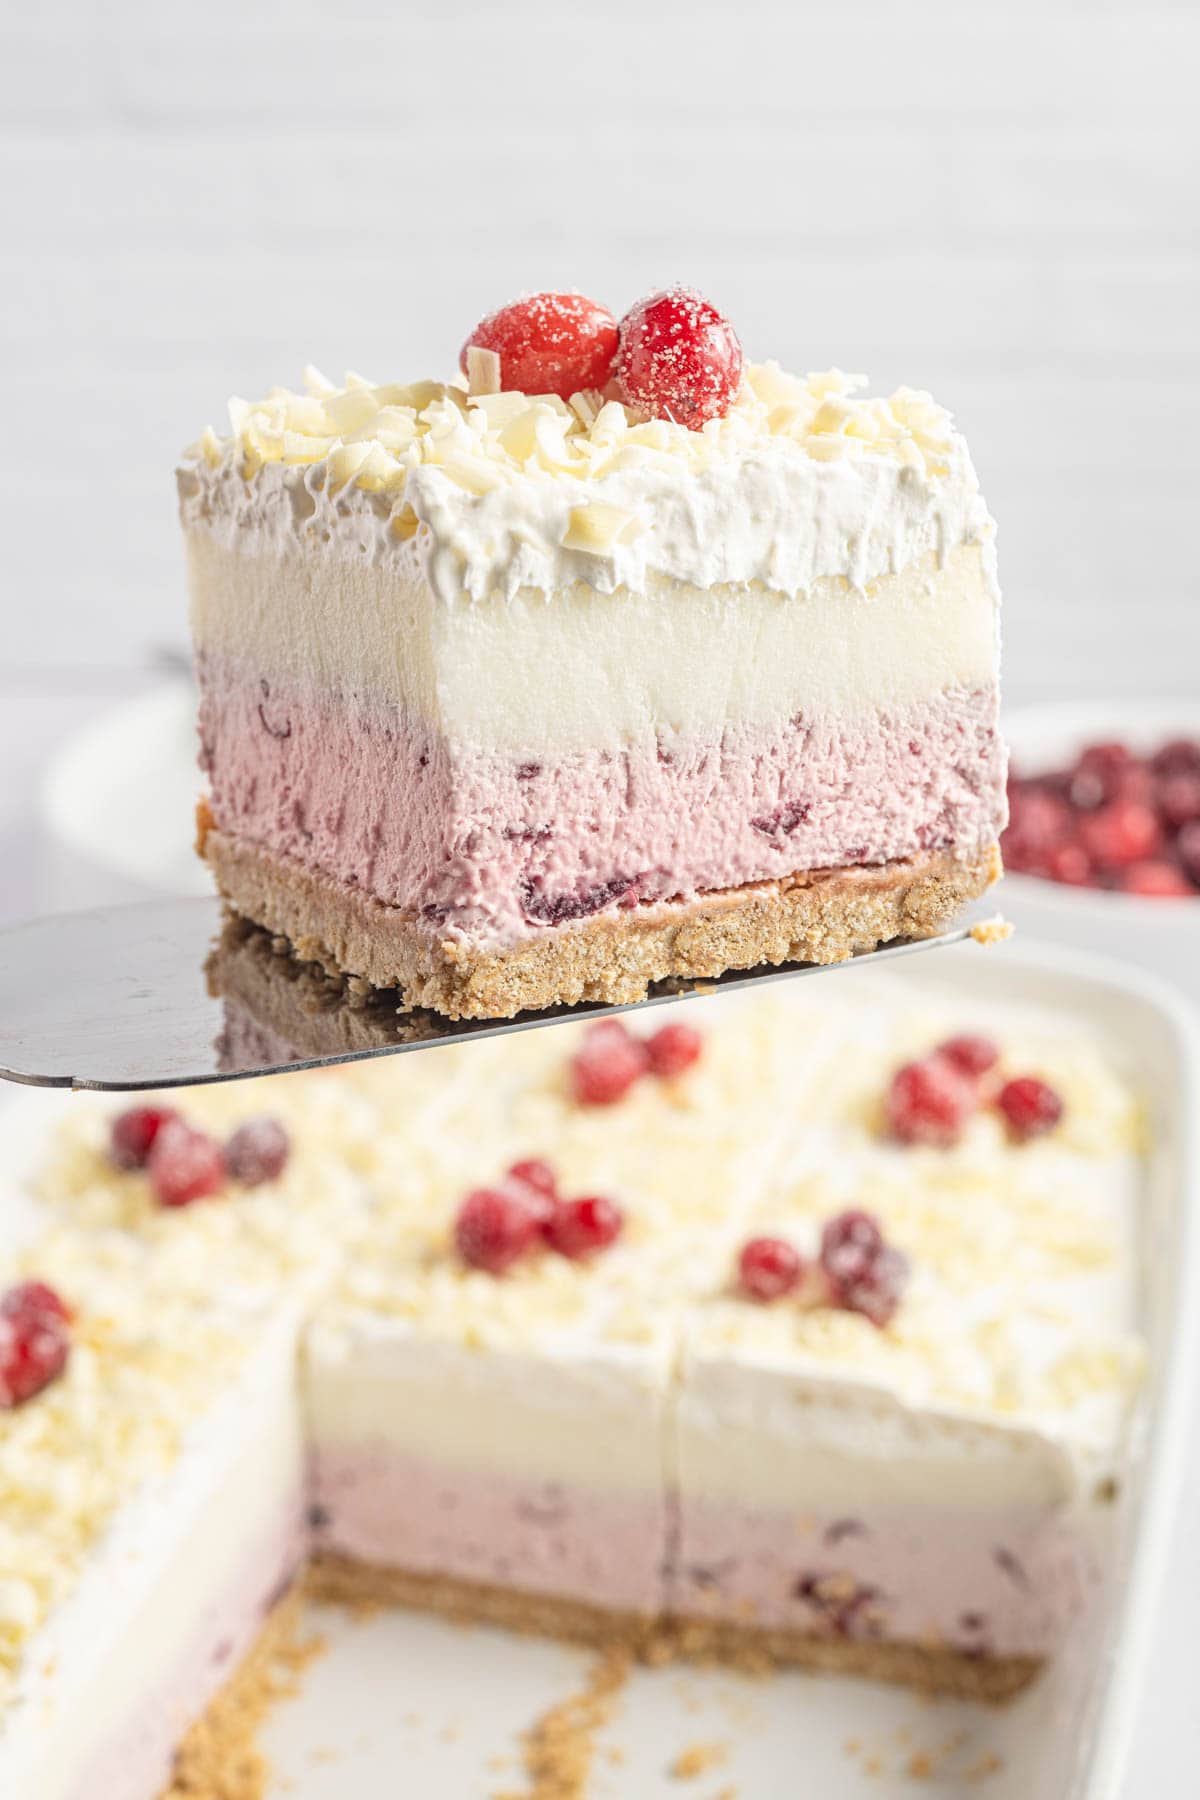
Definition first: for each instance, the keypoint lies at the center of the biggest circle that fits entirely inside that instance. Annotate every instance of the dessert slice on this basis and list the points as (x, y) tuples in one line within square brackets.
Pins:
[(519, 694)]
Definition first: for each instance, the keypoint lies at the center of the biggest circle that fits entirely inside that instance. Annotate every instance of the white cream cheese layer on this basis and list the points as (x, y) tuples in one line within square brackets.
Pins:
[(590, 670)]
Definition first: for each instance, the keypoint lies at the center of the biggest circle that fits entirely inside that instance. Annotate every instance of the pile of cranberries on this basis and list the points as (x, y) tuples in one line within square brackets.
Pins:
[(186, 1164), (929, 1101), (855, 1269), (1112, 819), (34, 1341), (499, 1226), (673, 355), (611, 1059)]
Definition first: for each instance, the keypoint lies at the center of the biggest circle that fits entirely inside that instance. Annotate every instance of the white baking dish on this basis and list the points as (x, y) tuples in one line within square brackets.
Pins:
[(405, 1704)]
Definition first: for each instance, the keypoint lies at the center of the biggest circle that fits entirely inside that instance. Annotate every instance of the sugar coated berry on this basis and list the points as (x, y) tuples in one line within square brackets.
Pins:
[(132, 1134), (1029, 1106), (1179, 800), (257, 1152), (679, 358), (495, 1227), (34, 1341), (929, 1102), (865, 1274), (1124, 832), (769, 1268), (185, 1164), (1157, 880), (548, 344), (672, 1049), (579, 1228), (533, 1173), (969, 1054), (607, 1063)]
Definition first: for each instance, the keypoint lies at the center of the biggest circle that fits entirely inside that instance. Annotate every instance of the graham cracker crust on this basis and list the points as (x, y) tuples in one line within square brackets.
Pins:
[(218, 1756), (817, 916), (932, 1669)]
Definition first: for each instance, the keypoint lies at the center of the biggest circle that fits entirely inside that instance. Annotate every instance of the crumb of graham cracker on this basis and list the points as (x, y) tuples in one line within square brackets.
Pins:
[(992, 931), (218, 1758), (698, 1759), (559, 1749)]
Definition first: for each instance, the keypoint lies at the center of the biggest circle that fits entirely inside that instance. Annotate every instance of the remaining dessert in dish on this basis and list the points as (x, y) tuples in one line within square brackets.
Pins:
[(623, 660), (808, 1333)]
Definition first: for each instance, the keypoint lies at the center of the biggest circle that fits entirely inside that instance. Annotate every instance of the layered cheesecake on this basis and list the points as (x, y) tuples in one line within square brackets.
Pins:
[(808, 1335), (522, 694)]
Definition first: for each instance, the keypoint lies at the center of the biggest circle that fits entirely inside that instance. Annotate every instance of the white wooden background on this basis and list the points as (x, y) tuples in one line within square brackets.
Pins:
[(997, 202)]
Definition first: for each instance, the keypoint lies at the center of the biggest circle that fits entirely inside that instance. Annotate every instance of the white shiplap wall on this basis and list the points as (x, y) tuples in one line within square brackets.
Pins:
[(995, 202)]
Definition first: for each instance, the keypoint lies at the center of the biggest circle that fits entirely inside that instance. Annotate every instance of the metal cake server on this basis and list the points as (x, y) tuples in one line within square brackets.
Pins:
[(173, 993)]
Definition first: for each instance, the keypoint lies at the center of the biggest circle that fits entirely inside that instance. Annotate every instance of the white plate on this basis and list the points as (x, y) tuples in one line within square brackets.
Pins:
[(1161, 935), (119, 803), (405, 1705)]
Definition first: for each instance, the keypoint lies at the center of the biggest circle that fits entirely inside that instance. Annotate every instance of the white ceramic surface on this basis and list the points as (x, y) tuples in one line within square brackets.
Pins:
[(1161, 935), (406, 1705)]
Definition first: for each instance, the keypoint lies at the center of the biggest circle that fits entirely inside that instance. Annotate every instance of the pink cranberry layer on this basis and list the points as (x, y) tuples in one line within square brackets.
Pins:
[(1112, 819)]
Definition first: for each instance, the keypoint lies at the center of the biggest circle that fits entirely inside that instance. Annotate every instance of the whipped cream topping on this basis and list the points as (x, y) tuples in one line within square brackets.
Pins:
[(490, 494)]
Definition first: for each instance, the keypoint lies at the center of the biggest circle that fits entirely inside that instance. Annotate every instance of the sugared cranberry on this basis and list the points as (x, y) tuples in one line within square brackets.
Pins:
[(185, 1164), (1179, 800), (533, 1173), (1030, 1106), (864, 1273), (769, 1268), (1069, 863), (1187, 848), (1157, 880), (257, 1152), (672, 1049), (132, 1134), (549, 344), (1124, 832), (578, 1228), (679, 358), (1178, 756), (971, 1055), (34, 1341), (495, 1227), (929, 1102), (607, 1063)]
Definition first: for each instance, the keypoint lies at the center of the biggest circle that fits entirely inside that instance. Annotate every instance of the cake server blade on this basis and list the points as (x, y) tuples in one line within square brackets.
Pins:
[(173, 993)]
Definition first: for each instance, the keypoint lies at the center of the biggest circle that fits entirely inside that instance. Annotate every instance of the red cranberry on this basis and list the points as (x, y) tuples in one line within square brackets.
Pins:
[(607, 1063), (768, 1268), (679, 358), (672, 1049), (1071, 864), (1187, 849), (185, 1164), (1030, 1106), (1178, 756), (257, 1152), (970, 1055), (1157, 880), (494, 1229), (864, 1273), (579, 1228), (132, 1134), (34, 1341), (549, 344), (1124, 832), (928, 1102), (536, 1174), (1179, 799)]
